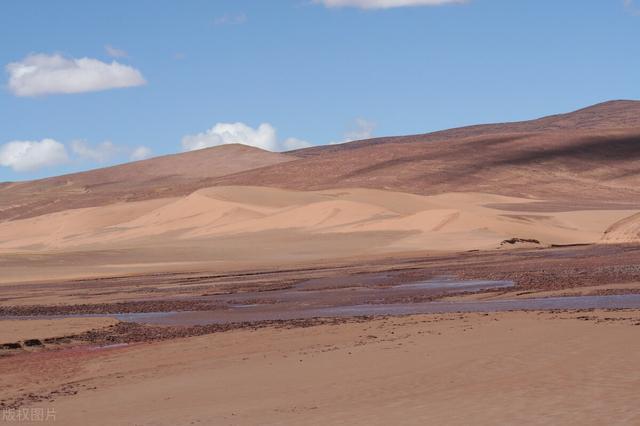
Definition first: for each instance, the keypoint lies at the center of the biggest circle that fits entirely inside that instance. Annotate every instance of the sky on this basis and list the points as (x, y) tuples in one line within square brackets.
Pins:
[(91, 84)]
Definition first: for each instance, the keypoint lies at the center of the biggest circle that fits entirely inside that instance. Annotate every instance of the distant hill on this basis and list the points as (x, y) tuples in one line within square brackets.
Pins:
[(587, 156), (621, 114), (158, 177)]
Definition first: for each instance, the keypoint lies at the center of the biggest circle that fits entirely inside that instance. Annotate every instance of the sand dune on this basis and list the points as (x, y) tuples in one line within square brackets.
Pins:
[(71, 227), (455, 221), (626, 230)]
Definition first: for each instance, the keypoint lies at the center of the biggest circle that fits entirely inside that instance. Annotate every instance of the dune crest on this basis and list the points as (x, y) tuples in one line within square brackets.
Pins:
[(454, 221), (626, 230)]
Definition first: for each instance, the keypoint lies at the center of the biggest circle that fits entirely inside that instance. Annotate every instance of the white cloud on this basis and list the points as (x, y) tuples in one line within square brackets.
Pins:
[(230, 19), (263, 137), (24, 156), (43, 74), (140, 153), (114, 52), (226, 133), (100, 153), (385, 4)]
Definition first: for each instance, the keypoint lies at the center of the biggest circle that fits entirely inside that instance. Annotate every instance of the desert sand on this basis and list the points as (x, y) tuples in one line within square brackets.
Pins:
[(232, 285), (217, 224), (44, 329), (534, 368), (454, 221)]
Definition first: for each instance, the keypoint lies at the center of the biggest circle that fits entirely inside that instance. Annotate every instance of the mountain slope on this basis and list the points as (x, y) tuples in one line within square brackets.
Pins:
[(621, 114), (589, 155), (159, 177)]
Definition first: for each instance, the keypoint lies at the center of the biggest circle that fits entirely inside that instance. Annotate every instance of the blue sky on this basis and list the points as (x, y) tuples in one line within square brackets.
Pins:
[(313, 74)]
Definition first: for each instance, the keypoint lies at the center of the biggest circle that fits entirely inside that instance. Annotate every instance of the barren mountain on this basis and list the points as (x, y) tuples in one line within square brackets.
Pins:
[(159, 177), (622, 114), (589, 155)]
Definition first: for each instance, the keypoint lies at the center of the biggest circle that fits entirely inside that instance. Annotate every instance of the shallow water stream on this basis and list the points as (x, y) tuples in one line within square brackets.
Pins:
[(359, 295), (259, 314)]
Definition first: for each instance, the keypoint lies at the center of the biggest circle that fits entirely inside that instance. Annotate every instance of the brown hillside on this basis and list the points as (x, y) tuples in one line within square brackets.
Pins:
[(158, 177), (589, 155), (608, 115)]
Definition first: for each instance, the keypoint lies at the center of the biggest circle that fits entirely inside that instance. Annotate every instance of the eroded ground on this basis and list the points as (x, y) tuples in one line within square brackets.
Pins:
[(586, 270), (569, 366)]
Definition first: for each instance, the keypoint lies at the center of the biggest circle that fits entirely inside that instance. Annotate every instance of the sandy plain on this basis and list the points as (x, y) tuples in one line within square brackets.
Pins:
[(499, 368)]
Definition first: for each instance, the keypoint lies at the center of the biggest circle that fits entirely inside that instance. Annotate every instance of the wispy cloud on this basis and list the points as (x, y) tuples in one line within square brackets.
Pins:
[(359, 130), (42, 74), (385, 4), (107, 151), (114, 52), (290, 144), (99, 153), (140, 153), (632, 7), (230, 19)]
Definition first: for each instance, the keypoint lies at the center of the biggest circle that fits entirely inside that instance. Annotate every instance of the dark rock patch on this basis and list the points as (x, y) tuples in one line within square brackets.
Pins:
[(520, 241), (15, 345)]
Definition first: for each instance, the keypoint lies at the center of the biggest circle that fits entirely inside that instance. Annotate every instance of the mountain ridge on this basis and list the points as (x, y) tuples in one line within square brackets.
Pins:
[(586, 155), (630, 107)]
